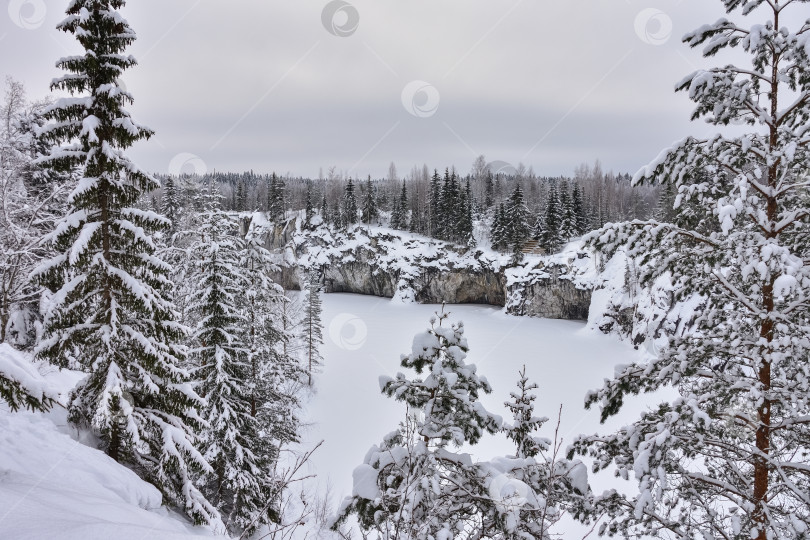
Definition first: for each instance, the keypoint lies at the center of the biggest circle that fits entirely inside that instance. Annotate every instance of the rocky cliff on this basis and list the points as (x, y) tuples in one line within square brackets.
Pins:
[(413, 268)]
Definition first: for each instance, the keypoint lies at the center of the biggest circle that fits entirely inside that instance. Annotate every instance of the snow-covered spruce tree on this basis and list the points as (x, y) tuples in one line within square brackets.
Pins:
[(370, 210), (411, 486), (349, 205), (517, 230), (550, 239), (309, 208), (466, 235), (578, 208), (239, 480), (274, 373), (111, 310), (170, 204), (312, 327), (729, 457), (498, 231), (489, 191), (434, 204), (568, 220), (275, 198), (403, 210)]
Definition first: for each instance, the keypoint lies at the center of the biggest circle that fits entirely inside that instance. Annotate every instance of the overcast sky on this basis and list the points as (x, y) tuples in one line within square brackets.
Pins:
[(296, 85)]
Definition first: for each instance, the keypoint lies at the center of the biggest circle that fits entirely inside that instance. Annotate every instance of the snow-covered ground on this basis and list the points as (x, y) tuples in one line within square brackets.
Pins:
[(52, 486), (364, 337)]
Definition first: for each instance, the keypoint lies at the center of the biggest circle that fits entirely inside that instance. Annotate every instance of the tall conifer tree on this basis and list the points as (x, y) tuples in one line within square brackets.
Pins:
[(111, 309)]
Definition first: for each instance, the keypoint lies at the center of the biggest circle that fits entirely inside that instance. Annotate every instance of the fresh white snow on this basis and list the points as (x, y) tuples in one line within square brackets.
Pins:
[(52, 486), (364, 337)]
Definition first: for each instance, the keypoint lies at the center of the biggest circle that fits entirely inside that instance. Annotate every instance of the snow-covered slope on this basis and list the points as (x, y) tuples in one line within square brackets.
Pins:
[(52, 486)]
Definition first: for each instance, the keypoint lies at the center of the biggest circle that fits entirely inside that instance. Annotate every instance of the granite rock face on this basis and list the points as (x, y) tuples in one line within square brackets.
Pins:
[(415, 269), (554, 296), (464, 286)]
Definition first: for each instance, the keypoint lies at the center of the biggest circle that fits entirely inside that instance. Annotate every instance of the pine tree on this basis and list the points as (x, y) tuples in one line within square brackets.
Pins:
[(111, 309), (727, 457), (370, 211), (239, 480), (312, 326), (425, 490), (349, 205), (449, 393)]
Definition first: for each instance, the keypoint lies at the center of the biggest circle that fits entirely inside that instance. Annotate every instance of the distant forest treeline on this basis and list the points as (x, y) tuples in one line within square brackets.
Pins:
[(440, 203)]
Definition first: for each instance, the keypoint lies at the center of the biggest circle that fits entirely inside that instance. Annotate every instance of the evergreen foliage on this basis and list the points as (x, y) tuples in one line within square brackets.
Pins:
[(370, 210), (349, 205), (111, 310), (239, 479), (727, 456)]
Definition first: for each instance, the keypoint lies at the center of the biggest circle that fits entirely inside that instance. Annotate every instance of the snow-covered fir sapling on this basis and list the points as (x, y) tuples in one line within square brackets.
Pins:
[(412, 486), (111, 309), (531, 489), (739, 238)]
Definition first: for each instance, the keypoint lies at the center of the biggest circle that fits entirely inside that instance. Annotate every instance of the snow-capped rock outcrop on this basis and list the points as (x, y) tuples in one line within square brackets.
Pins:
[(414, 268)]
